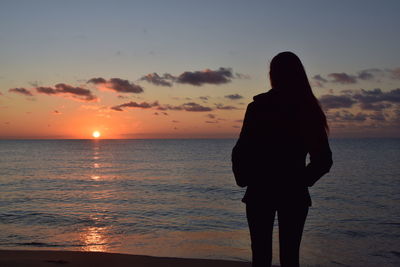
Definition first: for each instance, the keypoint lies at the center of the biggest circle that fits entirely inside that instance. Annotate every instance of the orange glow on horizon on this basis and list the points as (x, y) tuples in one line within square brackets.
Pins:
[(79, 121)]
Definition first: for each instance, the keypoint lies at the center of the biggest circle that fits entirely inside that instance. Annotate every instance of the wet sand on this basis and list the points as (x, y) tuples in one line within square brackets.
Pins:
[(28, 258)]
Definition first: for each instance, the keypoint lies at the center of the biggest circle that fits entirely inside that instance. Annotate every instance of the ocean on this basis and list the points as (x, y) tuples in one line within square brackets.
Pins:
[(178, 198)]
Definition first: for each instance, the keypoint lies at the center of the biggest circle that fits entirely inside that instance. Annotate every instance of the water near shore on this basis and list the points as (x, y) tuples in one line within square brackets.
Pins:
[(178, 198)]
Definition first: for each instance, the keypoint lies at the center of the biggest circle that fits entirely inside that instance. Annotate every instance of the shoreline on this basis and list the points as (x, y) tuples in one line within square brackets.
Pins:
[(47, 258)]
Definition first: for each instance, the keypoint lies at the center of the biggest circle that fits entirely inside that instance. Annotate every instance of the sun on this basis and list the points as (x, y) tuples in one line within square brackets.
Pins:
[(96, 134)]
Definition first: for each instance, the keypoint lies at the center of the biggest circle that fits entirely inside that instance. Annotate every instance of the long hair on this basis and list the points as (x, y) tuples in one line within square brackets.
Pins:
[(287, 74)]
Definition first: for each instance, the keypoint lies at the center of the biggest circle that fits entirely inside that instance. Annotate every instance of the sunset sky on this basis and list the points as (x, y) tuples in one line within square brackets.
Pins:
[(187, 69)]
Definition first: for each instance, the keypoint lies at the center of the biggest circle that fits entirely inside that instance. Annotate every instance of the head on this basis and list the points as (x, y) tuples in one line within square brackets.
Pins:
[(287, 74)]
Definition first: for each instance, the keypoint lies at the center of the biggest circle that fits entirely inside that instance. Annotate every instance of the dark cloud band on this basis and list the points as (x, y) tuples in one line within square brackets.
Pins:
[(59, 89), (190, 106), (372, 74), (234, 96), (21, 91), (143, 105), (117, 85), (375, 99), (62, 88), (196, 78)]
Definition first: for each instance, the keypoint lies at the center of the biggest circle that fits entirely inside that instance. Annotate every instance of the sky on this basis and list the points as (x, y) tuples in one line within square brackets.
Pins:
[(188, 69)]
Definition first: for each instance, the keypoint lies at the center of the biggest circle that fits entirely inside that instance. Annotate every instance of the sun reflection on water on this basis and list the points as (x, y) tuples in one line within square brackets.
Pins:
[(95, 177), (96, 158), (94, 239)]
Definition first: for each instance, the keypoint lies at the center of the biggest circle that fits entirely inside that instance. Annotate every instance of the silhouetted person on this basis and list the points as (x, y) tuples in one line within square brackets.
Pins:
[(280, 128)]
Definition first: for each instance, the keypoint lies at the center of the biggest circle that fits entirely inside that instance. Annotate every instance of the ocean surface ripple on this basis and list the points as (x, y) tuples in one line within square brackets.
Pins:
[(178, 198)]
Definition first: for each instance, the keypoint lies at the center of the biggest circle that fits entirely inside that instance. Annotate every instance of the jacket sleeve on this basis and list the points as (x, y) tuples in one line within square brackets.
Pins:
[(248, 123), (239, 152), (320, 156)]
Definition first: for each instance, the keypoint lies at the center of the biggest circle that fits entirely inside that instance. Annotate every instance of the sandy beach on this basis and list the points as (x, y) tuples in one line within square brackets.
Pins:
[(27, 258)]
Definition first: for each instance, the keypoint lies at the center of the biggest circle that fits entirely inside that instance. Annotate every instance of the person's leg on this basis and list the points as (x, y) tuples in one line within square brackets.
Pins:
[(291, 225), (261, 222)]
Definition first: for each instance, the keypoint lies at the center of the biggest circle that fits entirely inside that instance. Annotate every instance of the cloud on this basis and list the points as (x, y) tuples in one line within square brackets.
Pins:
[(319, 79), (46, 90), (368, 74), (365, 75), (97, 80), (372, 74), (224, 107), (376, 107), (373, 99), (343, 78), (336, 101), (117, 85), (60, 89), (21, 91), (234, 96), (377, 116), (131, 104), (77, 91), (346, 116), (191, 106), (170, 107), (393, 96), (194, 107), (154, 78), (242, 76), (198, 78), (65, 89)]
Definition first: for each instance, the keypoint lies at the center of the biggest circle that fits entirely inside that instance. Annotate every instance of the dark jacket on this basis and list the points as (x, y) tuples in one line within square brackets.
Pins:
[(270, 154)]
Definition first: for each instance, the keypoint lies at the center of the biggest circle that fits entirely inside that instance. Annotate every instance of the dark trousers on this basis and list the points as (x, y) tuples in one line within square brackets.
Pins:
[(291, 223)]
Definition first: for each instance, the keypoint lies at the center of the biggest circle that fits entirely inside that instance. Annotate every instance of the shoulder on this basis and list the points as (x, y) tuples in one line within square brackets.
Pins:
[(266, 97), (262, 101)]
